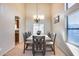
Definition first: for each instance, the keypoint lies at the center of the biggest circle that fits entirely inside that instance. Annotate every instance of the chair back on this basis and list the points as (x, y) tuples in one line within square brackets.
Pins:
[(53, 37), (49, 35), (25, 36), (29, 34), (39, 41)]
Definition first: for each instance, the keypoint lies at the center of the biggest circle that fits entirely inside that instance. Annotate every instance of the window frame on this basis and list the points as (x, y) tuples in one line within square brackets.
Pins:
[(67, 28)]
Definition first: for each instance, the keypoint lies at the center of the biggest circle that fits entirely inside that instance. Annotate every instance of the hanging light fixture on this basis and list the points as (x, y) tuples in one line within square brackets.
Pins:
[(36, 17)]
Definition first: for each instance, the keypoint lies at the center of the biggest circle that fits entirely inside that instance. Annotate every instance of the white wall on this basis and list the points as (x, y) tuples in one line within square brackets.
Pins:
[(7, 25), (44, 9), (58, 9), (60, 28)]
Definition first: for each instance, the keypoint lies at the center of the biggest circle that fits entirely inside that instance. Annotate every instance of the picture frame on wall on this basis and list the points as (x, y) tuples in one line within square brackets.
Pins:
[(57, 19)]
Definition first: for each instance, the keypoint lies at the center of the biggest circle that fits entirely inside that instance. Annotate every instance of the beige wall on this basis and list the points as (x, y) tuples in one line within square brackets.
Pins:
[(60, 28), (7, 25), (58, 9), (44, 9)]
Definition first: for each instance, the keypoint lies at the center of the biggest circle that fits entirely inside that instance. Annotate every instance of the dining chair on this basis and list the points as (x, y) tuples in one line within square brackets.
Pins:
[(38, 45), (29, 34), (49, 34), (26, 42), (51, 42)]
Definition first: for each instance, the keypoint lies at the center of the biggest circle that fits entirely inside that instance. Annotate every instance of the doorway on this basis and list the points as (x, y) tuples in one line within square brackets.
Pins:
[(17, 30)]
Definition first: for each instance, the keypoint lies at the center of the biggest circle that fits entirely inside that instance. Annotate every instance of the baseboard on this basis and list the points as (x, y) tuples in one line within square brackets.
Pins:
[(3, 54)]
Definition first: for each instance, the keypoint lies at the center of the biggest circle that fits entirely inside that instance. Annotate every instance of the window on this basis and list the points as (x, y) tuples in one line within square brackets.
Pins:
[(73, 27), (38, 27)]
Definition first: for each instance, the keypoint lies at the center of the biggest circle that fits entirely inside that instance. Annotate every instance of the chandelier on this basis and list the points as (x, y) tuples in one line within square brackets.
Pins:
[(37, 17)]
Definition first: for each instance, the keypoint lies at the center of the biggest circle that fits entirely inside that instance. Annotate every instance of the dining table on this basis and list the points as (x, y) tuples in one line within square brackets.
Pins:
[(46, 37)]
